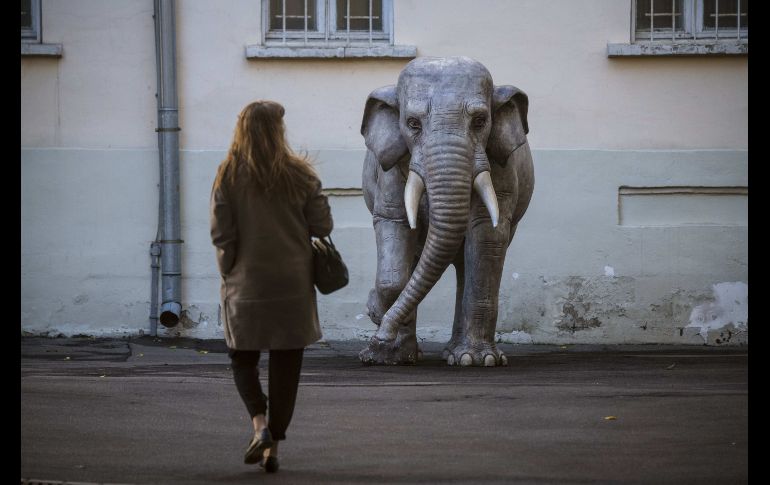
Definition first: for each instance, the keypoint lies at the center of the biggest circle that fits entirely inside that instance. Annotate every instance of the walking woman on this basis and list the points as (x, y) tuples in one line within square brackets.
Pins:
[(266, 203)]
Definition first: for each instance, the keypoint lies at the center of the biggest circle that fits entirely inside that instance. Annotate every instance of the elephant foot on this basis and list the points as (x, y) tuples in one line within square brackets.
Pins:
[(391, 352), (480, 354)]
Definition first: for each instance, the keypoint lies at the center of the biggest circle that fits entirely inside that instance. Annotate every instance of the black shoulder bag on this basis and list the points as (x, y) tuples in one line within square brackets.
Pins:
[(331, 274)]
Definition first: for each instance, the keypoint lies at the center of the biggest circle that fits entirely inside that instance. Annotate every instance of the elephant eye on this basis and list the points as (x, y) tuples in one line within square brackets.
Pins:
[(479, 122), (414, 124)]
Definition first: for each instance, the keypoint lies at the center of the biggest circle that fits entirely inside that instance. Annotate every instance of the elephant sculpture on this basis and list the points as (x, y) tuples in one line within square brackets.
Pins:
[(447, 132)]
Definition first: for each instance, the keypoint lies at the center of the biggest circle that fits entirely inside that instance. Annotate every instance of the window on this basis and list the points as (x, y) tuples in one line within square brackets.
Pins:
[(678, 20), (327, 22), (686, 28), (32, 33), (30, 20), (331, 29)]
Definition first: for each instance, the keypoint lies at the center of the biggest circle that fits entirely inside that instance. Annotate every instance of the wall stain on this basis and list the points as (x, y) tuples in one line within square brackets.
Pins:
[(574, 321), (727, 308), (187, 320), (576, 309)]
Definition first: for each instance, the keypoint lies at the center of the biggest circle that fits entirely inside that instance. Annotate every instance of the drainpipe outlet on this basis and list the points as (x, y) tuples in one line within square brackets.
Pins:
[(169, 313)]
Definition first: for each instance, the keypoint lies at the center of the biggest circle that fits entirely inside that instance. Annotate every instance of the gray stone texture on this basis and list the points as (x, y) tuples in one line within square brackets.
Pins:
[(447, 132)]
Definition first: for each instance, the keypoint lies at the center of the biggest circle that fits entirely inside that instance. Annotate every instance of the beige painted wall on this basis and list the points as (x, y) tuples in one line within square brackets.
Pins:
[(555, 50), (579, 98), (101, 93)]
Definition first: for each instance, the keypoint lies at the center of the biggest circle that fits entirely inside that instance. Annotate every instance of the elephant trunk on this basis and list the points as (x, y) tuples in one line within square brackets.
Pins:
[(448, 183)]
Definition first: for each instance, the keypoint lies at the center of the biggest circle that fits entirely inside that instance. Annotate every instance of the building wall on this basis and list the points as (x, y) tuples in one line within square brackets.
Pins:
[(592, 261)]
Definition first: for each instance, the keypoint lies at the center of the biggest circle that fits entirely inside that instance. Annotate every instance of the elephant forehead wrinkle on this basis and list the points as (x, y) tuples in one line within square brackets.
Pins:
[(448, 118), (418, 107), (476, 106), (444, 110), (414, 90), (448, 149), (456, 103), (448, 99), (462, 84)]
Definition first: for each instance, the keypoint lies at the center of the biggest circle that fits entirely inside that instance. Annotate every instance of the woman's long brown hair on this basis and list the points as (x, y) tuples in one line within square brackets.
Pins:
[(260, 147)]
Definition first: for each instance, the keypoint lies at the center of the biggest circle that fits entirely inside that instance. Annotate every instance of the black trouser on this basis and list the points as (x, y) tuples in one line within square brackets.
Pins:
[(283, 379)]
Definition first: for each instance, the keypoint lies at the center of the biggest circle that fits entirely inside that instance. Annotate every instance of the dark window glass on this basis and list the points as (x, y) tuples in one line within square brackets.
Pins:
[(26, 14), (662, 13), (728, 14), (295, 15), (359, 15)]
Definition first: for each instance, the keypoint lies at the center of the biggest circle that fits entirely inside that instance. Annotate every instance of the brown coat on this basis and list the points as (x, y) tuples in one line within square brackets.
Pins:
[(264, 257)]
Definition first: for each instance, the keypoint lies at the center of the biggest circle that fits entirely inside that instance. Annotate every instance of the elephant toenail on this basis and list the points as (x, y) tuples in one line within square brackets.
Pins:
[(466, 360), (450, 360), (503, 360), (489, 361)]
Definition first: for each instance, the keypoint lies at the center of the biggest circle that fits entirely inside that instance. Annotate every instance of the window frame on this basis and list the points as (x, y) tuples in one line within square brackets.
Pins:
[(33, 34), (32, 38), (692, 31), (327, 33), (677, 43)]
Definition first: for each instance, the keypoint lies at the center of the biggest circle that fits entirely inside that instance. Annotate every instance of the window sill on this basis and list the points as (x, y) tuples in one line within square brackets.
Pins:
[(34, 49), (658, 48), (329, 52)]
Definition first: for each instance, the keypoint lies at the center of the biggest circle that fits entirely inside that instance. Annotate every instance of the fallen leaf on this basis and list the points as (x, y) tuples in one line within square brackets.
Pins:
[(141, 355), (563, 347), (671, 366), (67, 358), (103, 375), (610, 418), (203, 351), (172, 346)]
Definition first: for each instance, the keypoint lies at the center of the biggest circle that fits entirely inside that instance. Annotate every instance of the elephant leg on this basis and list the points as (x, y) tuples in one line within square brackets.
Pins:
[(396, 246), (473, 343)]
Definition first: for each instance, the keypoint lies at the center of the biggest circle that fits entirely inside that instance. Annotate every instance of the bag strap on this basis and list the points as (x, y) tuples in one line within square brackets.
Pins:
[(326, 241)]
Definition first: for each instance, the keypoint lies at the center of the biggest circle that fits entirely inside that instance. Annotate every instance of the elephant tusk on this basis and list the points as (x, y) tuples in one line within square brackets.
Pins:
[(412, 195), (483, 186)]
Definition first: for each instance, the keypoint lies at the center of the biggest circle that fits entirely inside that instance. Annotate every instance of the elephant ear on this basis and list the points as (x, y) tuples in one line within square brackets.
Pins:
[(509, 123), (380, 127)]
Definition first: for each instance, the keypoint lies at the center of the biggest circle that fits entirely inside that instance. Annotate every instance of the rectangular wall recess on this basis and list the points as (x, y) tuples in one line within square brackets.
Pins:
[(683, 206)]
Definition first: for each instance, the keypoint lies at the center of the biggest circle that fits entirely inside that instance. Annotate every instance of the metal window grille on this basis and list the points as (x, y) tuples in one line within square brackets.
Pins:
[(314, 22), (685, 20)]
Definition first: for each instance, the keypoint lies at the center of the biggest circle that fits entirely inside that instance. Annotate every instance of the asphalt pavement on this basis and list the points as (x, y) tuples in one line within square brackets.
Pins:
[(166, 411)]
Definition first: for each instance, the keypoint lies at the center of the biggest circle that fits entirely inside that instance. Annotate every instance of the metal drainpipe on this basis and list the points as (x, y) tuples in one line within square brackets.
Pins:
[(155, 265), (168, 147)]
